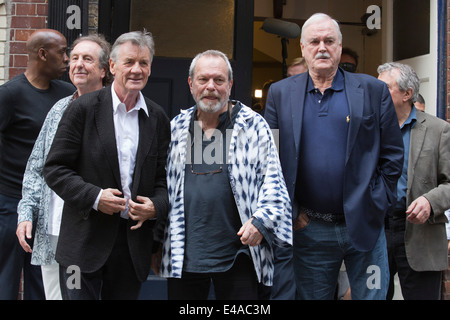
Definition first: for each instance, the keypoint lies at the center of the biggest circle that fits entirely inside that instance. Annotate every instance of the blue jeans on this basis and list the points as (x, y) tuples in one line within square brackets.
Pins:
[(320, 248)]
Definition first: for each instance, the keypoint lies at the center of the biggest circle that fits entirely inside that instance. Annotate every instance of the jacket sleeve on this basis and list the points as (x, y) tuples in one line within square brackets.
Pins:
[(390, 161), (273, 208), (270, 112), (439, 197), (33, 181), (161, 198), (60, 167)]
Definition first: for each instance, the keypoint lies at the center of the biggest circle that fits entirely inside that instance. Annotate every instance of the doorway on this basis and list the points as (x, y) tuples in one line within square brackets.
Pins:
[(180, 31), (421, 48), (352, 16), (373, 46)]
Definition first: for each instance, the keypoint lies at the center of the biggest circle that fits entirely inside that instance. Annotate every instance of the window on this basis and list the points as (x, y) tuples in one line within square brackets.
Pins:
[(411, 28), (181, 29)]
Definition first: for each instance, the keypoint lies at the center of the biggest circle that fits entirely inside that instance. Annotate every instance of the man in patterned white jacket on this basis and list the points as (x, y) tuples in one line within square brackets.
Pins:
[(228, 200)]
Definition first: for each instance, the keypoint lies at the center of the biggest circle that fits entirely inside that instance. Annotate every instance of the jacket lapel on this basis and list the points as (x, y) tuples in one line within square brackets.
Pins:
[(105, 125), (415, 146), (147, 127), (355, 98), (297, 96)]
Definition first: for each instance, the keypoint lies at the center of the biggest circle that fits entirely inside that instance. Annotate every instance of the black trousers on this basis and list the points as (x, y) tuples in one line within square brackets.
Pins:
[(116, 280), (238, 283), (423, 285), (13, 259)]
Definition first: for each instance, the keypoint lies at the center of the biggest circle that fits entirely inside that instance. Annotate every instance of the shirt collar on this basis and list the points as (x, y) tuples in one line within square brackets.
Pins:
[(225, 118), (337, 85), (140, 104), (412, 119)]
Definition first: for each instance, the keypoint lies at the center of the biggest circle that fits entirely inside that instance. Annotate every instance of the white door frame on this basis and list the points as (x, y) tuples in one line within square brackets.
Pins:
[(426, 66)]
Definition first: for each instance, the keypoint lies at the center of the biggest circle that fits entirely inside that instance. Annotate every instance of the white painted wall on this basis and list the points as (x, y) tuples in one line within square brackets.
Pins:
[(426, 66)]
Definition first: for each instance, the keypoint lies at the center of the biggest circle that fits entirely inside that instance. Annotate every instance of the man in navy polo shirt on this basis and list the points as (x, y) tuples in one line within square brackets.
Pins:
[(342, 153)]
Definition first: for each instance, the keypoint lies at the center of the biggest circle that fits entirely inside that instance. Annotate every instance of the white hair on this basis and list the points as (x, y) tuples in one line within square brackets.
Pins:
[(407, 78), (213, 53), (140, 38), (318, 17)]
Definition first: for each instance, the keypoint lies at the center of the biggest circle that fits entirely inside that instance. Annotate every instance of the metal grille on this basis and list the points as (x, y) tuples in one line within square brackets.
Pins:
[(70, 17)]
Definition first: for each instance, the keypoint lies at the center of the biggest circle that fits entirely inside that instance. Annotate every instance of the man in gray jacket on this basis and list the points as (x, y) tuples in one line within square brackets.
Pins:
[(416, 236)]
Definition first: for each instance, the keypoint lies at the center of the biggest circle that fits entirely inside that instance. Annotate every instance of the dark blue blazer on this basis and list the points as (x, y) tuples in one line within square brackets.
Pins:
[(374, 157)]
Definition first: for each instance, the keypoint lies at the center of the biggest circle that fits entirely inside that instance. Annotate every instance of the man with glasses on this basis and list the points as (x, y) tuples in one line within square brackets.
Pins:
[(228, 199)]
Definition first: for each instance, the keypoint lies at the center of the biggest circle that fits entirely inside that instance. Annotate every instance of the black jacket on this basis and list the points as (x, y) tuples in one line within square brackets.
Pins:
[(83, 160)]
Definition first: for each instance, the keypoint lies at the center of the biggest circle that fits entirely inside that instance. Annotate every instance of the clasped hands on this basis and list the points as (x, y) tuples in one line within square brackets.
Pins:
[(111, 202)]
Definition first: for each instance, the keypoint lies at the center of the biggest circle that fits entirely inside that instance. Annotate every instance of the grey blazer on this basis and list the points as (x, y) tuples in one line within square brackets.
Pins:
[(428, 176)]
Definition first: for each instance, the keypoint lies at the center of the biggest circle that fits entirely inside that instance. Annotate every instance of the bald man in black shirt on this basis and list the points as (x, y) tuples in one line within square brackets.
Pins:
[(24, 103)]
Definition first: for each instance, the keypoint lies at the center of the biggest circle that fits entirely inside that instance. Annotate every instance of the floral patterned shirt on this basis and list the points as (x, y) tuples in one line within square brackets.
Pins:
[(36, 194)]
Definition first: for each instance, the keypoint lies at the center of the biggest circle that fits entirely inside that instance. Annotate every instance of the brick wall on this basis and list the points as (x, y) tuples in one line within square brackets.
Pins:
[(4, 36), (446, 282), (26, 17)]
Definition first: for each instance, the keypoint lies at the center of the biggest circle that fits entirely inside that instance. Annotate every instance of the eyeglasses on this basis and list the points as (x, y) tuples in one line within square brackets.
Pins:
[(204, 173)]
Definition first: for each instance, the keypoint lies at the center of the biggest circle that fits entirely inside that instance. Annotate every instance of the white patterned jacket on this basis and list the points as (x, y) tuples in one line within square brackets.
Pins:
[(257, 183), (35, 192)]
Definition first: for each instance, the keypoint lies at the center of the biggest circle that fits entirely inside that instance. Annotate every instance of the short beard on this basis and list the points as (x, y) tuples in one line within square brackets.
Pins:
[(210, 107)]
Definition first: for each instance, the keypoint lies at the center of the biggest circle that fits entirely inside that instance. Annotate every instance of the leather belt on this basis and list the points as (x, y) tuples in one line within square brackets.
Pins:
[(325, 217)]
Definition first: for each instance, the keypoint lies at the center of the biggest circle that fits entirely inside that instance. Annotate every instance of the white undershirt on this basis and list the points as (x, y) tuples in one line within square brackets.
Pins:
[(126, 126), (55, 208)]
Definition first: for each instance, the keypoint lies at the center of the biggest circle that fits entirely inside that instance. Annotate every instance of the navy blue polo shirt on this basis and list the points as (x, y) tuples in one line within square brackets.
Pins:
[(323, 147)]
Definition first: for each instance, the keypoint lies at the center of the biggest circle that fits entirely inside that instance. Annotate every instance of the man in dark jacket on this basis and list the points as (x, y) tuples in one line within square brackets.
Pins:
[(341, 151), (107, 163)]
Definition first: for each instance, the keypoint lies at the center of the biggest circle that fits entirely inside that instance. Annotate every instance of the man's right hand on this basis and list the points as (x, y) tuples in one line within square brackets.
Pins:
[(110, 201), (301, 221), (24, 230)]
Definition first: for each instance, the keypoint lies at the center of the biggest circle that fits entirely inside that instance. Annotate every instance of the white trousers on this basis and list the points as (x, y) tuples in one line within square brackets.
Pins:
[(50, 276)]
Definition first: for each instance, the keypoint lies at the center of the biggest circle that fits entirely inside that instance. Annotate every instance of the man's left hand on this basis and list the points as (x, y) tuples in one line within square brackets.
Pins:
[(419, 211), (141, 211), (249, 234)]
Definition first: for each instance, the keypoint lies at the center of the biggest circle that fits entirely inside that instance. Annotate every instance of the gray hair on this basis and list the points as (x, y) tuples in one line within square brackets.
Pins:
[(318, 17), (213, 53), (407, 79), (103, 56), (141, 38)]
